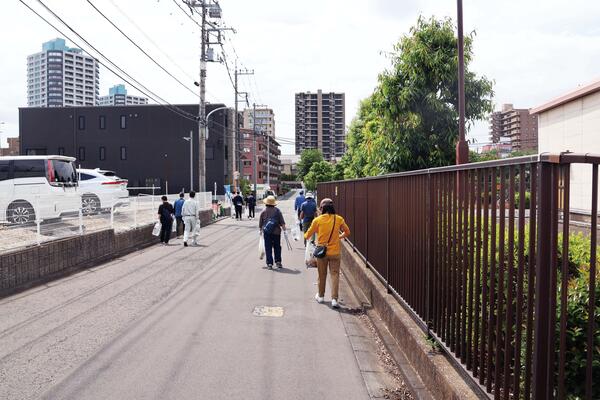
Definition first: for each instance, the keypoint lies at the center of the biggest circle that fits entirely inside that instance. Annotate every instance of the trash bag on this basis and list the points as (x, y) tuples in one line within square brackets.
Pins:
[(156, 230), (309, 258), (261, 247), (296, 233), (174, 226)]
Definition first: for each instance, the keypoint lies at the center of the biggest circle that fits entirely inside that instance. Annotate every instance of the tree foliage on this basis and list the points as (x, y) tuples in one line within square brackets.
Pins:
[(307, 159), (321, 171), (411, 119)]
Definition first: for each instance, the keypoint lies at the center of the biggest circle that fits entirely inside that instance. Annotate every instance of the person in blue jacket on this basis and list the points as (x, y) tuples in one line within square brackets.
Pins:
[(299, 200), (178, 217)]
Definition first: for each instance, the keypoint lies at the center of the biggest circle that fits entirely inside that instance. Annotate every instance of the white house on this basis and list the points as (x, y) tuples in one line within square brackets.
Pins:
[(571, 122)]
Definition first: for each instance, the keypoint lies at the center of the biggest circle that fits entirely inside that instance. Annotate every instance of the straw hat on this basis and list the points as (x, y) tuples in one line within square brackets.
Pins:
[(270, 201)]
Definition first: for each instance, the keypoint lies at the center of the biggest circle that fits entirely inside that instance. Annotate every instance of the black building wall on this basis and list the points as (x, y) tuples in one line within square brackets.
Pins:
[(148, 148)]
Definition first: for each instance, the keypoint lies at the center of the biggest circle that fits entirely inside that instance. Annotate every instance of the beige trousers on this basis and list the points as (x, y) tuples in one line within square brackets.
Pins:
[(333, 262)]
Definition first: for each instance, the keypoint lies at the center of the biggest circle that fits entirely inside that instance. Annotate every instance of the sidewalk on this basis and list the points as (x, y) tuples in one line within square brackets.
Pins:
[(201, 337)]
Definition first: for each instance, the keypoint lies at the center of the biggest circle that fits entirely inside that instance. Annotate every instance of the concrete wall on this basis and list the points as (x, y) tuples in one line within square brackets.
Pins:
[(574, 126), (29, 267)]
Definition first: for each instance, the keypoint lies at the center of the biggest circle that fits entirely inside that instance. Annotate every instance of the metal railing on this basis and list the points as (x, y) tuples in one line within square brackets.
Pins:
[(121, 215), (476, 253)]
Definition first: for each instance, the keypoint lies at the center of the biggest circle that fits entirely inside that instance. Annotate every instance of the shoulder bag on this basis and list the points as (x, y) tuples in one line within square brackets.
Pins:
[(321, 250)]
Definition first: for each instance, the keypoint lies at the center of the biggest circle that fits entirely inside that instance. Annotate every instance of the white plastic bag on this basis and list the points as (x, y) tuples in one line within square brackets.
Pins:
[(296, 233), (174, 227), (261, 247), (156, 230), (309, 258)]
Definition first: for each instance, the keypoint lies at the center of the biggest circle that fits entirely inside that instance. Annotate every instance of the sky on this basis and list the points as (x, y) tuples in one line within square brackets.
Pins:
[(532, 50)]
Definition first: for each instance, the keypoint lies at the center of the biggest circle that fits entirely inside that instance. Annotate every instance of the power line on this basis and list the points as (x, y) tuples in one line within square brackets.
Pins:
[(140, 49), (132, 22), (169, 106), (107, 59)]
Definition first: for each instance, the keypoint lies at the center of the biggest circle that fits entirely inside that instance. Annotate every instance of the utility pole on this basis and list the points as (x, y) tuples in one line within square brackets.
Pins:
[(462, 148), (236, 137), (214, 11), (254, 147)]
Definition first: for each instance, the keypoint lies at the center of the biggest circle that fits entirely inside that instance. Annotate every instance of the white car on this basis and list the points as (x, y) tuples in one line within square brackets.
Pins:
[(101, 189), (37, 188)]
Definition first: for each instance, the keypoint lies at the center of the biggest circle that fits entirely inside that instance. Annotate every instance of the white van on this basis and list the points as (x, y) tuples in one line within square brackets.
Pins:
[(37, 187)]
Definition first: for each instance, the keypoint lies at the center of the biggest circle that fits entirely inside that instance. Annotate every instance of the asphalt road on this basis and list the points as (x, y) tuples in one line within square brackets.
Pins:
[(178, 323)]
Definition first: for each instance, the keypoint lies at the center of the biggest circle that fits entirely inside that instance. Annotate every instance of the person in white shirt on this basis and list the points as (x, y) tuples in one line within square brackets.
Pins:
[(189, 213)]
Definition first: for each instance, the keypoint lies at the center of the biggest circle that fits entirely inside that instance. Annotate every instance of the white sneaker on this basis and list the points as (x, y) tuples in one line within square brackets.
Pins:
[(334, 303), (319, 299)]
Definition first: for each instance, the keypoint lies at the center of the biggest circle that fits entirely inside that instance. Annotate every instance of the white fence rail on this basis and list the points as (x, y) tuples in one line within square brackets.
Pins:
[(136, 211)]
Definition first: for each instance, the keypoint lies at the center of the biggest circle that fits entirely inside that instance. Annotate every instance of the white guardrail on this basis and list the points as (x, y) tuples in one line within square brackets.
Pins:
[(122, 215)]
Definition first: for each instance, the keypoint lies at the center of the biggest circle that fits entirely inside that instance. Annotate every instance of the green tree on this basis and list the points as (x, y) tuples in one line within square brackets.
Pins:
[(307, 159), (411, 119), (321, 171), (487, 156)]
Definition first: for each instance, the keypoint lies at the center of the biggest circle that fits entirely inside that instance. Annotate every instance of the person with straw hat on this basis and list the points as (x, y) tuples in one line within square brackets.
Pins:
[(271, 223)]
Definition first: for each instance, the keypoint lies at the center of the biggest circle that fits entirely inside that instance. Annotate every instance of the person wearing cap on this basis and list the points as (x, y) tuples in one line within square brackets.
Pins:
[(308, 211), (330, 229), (271, 223), (299, 200)]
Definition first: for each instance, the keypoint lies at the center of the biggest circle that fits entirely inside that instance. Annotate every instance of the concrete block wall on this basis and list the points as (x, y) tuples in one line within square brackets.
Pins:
[(32, 266)]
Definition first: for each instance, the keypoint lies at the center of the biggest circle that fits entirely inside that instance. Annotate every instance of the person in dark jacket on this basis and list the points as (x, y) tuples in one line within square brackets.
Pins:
[(271, 223), (165, 216), (251, 203), (238, 203), (308, 212)]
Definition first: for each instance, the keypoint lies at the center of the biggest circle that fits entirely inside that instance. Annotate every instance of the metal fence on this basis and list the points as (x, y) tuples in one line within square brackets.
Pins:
[(476, 253), (125, 215)]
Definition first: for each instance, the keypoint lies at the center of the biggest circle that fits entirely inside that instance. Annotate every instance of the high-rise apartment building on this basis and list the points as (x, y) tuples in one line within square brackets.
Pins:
[(265, 120), (320, 123), (60, 76), (515, 125), (117, 96)]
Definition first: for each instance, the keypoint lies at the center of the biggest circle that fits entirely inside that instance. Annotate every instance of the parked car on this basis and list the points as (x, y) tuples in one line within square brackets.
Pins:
[(101, 189), (37, 187)]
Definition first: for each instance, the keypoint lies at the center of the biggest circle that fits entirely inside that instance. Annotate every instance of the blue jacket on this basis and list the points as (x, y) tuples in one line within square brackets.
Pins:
[(298, 203), (309, 208), (178, 206)]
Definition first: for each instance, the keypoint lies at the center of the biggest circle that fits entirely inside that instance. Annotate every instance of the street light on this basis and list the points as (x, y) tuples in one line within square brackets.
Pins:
[(208, 116)]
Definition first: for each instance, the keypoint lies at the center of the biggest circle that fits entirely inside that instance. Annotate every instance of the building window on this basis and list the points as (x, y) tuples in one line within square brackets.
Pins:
[(82, 154), (102, 153), (210, 153), (123, 153), (102, 122), (61, 151), (81, 122), (123, 121)]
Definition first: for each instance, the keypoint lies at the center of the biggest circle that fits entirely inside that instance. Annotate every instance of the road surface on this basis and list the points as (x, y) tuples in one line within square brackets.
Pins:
[(171, 322)]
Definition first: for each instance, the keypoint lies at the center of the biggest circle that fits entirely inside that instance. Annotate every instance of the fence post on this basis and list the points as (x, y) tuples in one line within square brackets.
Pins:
[(37, 220), (387, 227), (112, 215), (431, 224), (135, 208), (80, 221), (541, 357)]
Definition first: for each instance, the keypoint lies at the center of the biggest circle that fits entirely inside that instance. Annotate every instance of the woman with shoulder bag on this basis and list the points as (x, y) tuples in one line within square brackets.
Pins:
[(330, 229)]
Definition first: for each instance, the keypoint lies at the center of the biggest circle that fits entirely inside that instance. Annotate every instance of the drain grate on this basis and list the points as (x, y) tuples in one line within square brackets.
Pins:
[(267, 311)]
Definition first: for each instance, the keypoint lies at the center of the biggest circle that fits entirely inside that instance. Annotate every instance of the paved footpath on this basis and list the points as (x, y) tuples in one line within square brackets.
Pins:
[(178, 323)]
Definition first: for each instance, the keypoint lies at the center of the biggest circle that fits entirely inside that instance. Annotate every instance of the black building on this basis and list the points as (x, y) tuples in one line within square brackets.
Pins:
[(142, 143)]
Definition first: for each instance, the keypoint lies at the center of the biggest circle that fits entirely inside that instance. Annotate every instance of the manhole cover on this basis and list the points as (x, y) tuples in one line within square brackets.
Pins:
[(266, 311)]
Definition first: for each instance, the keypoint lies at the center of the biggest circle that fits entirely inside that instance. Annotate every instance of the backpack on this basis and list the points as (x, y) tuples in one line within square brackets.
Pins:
[(271, 224)]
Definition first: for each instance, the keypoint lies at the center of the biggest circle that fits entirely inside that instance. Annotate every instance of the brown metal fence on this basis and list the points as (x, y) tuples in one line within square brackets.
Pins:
[(475, 253)]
